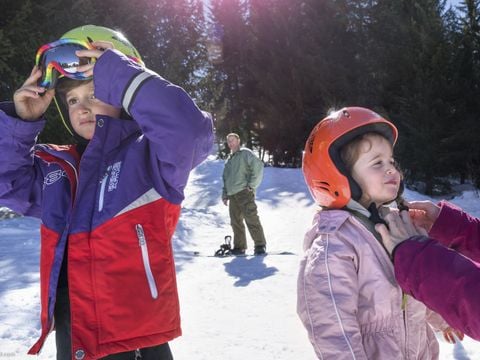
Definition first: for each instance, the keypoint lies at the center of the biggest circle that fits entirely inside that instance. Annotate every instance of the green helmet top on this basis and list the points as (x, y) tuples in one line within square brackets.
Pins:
[(90, 33)]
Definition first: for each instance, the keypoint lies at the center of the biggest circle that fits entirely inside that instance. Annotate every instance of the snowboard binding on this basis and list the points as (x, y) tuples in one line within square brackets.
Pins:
[(226, 248)]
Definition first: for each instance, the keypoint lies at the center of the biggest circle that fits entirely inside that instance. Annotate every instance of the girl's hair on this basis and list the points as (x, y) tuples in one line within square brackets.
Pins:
[(65, 84), (350, 152)]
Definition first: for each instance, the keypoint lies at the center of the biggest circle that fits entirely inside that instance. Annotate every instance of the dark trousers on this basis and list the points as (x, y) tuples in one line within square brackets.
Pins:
[(63, 337), (242, 207)]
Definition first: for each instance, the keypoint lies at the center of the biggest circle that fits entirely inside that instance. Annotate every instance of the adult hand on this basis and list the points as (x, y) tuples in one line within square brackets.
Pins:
[(400, 228), (424, 213), (100, 47), (29, 104)]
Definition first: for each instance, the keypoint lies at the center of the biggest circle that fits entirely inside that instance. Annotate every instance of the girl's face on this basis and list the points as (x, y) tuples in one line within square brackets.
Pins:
[(375, 172), (83, 107)]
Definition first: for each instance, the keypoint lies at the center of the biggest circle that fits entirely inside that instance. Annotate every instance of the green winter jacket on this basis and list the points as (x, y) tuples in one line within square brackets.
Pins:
[(242, 170)]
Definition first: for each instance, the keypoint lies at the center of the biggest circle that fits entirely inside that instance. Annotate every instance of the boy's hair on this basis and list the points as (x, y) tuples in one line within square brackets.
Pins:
[(350, 152), (234, 135), (65, 84)]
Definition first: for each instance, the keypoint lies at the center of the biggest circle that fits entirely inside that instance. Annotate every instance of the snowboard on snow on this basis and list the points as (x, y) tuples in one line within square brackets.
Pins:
[(194, 253), (225, 251)]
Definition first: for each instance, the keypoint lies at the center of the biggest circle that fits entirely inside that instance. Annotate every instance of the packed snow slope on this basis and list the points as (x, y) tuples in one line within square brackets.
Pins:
[(232, 308)]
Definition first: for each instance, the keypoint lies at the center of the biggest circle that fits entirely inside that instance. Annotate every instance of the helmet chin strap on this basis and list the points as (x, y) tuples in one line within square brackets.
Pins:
[(61, 110), (375, 215)]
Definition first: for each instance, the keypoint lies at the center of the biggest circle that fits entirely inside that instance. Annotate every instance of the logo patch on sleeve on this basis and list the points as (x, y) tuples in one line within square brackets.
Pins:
[(53, 177)]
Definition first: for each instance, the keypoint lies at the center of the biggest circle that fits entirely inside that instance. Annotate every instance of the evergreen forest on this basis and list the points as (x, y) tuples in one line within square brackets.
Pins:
[(271, 69)]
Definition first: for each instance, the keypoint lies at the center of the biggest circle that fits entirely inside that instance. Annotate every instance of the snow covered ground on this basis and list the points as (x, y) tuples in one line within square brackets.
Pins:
[(232, 308)]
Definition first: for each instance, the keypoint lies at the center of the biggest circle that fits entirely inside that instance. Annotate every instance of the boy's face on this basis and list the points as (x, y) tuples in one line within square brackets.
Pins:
[(375, 172), (83, 107)]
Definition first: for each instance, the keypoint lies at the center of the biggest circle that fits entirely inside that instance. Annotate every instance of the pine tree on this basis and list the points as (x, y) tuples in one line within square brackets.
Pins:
[(413, 63), (465, 132), (230, 76)]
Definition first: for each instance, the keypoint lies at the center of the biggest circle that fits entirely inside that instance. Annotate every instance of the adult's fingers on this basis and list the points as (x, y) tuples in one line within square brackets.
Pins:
[(407, 221), (382, 230), (394, 222), (420, 204), (429, 207), (420, 230), (386, 237)]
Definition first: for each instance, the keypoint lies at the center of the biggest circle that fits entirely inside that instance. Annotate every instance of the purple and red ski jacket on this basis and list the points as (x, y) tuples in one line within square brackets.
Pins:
[(115, 208), (443, 271)]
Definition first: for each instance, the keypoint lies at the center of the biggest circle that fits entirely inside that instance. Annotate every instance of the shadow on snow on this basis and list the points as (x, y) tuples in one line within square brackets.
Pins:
[(248, 269)]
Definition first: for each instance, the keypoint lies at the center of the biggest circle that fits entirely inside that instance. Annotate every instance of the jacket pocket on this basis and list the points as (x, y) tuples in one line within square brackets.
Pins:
[(142, 242)]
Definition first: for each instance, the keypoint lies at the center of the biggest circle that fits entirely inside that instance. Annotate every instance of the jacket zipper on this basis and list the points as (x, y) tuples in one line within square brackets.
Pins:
[(142, 241), (405, 320)]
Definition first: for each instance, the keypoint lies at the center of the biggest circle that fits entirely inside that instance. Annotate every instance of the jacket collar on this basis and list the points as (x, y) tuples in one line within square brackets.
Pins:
[(111, 132)]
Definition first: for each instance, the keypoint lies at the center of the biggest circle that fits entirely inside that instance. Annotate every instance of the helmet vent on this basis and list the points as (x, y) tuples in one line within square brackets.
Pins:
[(322, 185)]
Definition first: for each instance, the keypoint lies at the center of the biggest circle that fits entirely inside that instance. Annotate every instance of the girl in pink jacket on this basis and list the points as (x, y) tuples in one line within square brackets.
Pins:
[(348, 298)]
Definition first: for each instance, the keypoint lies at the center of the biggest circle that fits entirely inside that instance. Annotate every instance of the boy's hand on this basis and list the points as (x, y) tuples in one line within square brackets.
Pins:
[(29, 104), (100, 47)]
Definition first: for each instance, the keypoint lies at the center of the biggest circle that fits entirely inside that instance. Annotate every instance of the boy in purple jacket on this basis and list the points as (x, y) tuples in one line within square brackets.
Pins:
[(442, 270), (109, 204)]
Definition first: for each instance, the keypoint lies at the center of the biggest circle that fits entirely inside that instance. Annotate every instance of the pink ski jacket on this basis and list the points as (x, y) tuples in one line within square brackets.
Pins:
[(349, 300)]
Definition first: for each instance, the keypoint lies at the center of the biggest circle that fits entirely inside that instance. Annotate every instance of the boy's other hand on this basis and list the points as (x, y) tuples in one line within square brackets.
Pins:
[(100, 47), (29, 103)]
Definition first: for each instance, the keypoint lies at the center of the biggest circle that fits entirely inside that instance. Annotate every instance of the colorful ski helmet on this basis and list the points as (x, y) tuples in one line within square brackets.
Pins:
[(325, 173), (90, 33)]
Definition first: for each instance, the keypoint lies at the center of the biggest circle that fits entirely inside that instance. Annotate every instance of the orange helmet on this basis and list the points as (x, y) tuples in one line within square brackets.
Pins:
[(325, 173)]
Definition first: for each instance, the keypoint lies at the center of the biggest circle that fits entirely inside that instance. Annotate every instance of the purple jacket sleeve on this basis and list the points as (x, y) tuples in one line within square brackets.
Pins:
[(181, 135), (458, 230), (20, 180), (443, 279)]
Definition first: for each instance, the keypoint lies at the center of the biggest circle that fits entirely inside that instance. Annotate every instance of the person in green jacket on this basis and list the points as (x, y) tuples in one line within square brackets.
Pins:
[(242, 174)]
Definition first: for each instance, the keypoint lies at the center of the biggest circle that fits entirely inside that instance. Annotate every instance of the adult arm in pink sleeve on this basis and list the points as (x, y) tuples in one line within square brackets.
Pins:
[(458, 230), (443, 279)]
